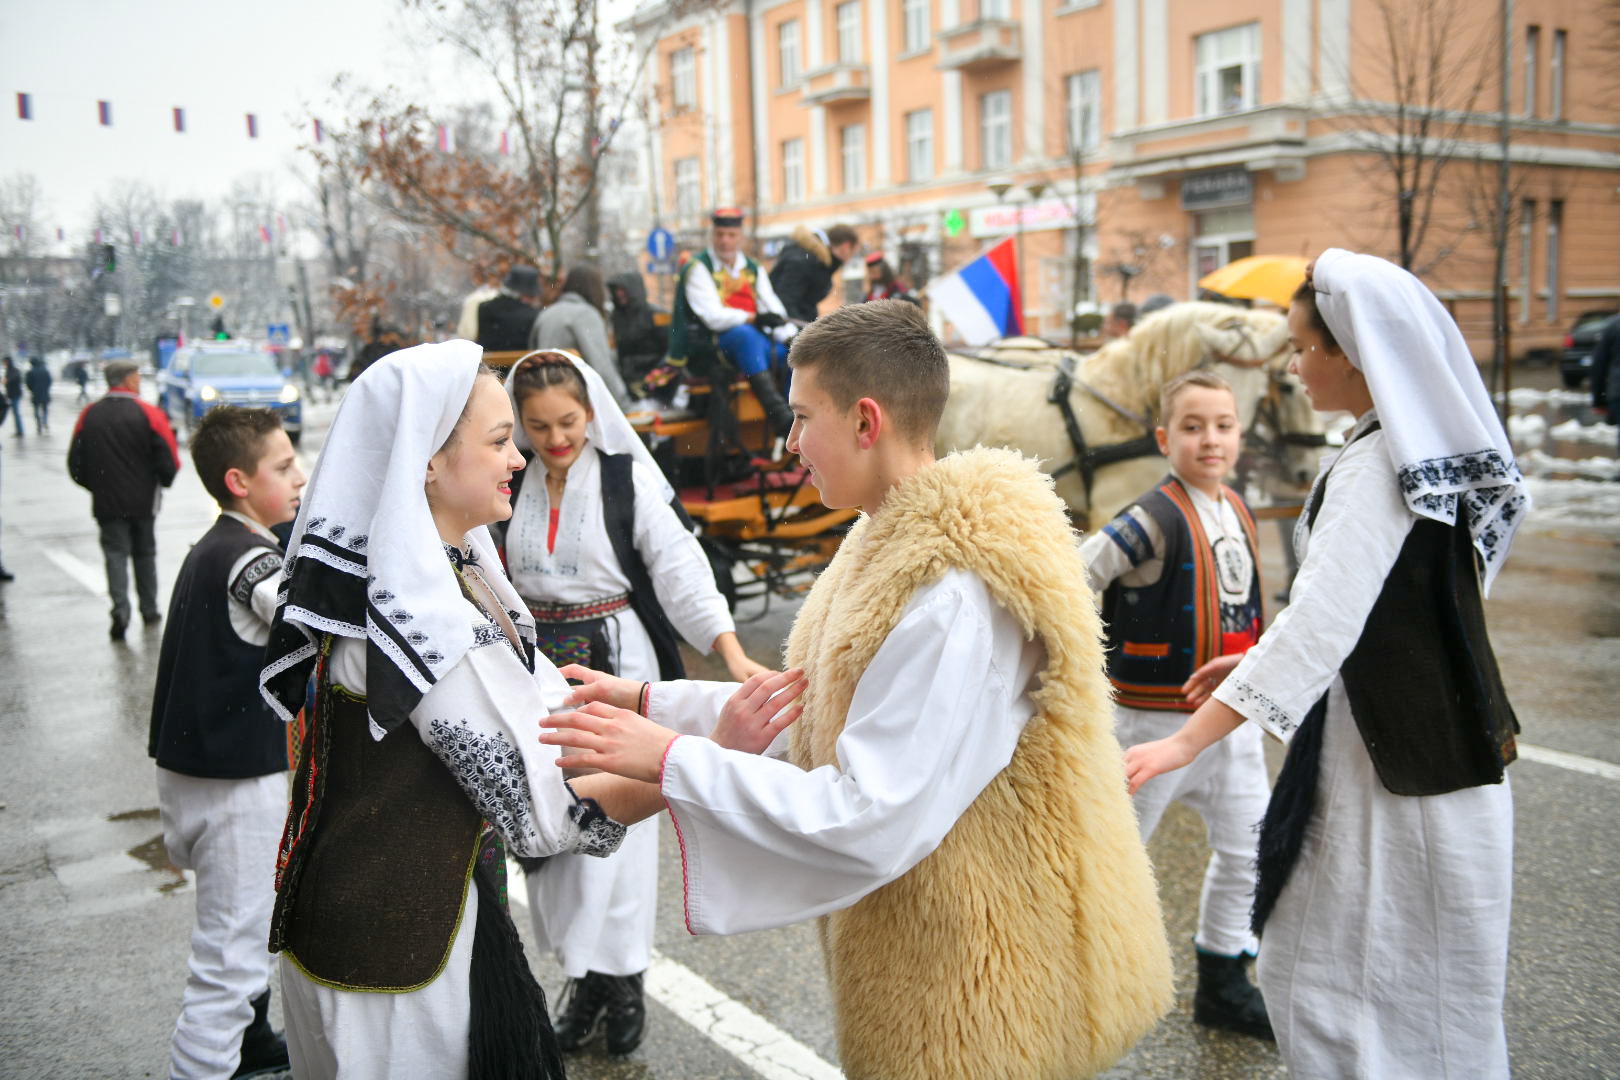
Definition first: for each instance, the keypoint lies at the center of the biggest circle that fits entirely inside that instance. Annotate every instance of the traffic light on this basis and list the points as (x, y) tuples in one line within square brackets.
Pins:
[(218, 329), (109, 258)]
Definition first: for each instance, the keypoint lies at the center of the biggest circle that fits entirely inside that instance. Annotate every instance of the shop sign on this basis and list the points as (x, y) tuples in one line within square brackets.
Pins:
[(1218, 187), (1054, 213)]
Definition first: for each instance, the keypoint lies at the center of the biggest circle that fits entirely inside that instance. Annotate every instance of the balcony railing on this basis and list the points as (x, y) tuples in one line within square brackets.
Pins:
[(835, 84), (981, 44)]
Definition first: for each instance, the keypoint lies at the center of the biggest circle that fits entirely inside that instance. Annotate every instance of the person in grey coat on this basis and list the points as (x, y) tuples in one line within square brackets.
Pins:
[(575, 321)]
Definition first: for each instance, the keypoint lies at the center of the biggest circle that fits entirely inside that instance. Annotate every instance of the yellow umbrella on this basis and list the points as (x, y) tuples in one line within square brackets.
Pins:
[(1258, 277)]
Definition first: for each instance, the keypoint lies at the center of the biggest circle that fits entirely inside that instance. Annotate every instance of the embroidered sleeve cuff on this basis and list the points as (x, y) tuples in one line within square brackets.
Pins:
[(1243, 697), (599, 835)]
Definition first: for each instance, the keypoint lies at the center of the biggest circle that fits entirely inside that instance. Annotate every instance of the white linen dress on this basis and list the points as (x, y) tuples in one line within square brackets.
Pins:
[(599, 914), (1385, 957)]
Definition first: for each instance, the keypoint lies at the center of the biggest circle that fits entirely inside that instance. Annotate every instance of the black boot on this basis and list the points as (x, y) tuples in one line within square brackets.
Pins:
[(263, 1048), (1227, 999), (626, 1014), (579, 1011), (771, 400)]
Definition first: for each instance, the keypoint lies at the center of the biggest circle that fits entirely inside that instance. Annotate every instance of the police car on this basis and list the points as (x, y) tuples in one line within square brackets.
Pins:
[(200, 376)]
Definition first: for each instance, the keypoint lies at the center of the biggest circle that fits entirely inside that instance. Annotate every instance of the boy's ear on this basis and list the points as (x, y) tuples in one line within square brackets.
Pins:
[(1163, 438), (236, 483), (869, 422)]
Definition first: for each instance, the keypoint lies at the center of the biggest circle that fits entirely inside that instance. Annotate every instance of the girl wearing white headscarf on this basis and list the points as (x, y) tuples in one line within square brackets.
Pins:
[(1386, 855), (398, 956), (605, 561)]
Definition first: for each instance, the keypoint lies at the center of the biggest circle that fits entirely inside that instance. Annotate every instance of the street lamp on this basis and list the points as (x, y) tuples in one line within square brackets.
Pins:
[(1035, 188)]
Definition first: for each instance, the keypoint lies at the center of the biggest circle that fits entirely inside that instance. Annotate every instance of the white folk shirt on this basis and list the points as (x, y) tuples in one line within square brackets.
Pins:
[(704, 298), (934, 718), (1386, 955), (251, 621)]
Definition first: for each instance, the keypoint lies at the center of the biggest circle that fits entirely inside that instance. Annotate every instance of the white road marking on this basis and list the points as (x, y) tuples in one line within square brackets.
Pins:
[(79, 571), (735, 1028), (1573, 762)]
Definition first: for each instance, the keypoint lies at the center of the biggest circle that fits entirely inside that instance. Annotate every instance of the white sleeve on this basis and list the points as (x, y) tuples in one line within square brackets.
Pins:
[(682, 577), (937, 714), (1353, 546), (689, 706), (252, 585), (482, 719), (769, 301), (704, 300)]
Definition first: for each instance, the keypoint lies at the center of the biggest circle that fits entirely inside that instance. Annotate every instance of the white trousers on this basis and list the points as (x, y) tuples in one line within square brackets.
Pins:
[(227, 832), (599, 914), (1226, 786)]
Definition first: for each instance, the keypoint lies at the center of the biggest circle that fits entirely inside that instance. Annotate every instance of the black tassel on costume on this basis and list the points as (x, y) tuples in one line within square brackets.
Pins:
[(1283, 829), (510, 1036)]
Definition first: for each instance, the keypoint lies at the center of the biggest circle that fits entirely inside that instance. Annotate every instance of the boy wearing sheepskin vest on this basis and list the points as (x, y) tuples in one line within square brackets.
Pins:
[(1178, 576), (951, 800)]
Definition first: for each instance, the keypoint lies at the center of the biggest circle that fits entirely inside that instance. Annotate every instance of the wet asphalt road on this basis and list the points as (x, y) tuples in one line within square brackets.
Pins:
[(95, 926)]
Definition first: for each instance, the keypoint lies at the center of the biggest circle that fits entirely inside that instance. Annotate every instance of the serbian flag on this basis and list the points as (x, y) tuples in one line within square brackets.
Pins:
[(982, 299), (25, 107), (264, 233), (447, 139), (104, 113), (180, 120), (506, 144), (319, 134), (252, 126)]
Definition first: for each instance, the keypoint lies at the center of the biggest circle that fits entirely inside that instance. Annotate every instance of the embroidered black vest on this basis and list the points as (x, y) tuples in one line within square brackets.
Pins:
[(1422, 680), (1159, 634), (377, 857), (207, 716)]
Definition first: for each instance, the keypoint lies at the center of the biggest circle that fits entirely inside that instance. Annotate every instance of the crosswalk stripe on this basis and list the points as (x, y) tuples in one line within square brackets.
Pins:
[(1573, 762)]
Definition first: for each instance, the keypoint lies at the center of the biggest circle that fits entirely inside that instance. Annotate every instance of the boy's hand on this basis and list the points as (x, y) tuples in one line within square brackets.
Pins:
[(744, 668), (613, 740), (759, 710), (1203, 682), (1147, 760), (600, 686)]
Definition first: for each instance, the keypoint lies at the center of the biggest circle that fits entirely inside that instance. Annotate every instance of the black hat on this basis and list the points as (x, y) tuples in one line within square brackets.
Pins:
[(523, 280), (728, 216)]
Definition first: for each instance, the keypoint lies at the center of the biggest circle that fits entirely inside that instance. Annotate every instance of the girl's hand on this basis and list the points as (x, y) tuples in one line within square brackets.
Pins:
[(759, 710), (600, 686), (1147, 760), (1203, 682), (613, 740), (741, 668)]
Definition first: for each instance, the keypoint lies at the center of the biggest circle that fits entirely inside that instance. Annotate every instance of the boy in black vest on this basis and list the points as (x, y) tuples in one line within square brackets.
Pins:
[(221, 755), (1178, 580)]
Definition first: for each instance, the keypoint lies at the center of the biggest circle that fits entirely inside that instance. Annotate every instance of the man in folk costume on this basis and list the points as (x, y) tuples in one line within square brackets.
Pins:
[(1386, 856), (725, 305), (951, 800)]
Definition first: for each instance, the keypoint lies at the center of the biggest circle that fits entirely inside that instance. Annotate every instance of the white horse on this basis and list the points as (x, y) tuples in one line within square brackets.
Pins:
[(1003, 397)]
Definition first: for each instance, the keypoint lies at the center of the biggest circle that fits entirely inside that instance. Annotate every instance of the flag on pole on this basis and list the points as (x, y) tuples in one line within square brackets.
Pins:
[(506, 145), (319, 134), (281, 224), (982, 299), (20, 232), (60, 235), (252, 126), (447, 139), (174, 237), (137, 238), (99, 237), (264, 233), (104, 113), (180, 120), (25, 107)]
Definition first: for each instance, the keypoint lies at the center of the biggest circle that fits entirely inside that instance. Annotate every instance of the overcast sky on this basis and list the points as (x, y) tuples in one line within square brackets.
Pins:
[(219, 61)]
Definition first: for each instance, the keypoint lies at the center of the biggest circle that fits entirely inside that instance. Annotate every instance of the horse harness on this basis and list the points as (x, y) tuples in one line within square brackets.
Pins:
[(1088, 459)]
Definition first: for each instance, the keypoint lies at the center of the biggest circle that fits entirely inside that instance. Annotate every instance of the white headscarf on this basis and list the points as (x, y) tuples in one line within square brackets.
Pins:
[(608, 430), (1444, 438), (365, 560)]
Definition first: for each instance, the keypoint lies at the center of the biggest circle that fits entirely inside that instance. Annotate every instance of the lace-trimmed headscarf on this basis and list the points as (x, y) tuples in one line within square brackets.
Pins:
[(1445, 440), (365, 560)]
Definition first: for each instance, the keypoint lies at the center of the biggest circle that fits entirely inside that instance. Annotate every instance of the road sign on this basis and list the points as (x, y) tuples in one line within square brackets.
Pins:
[(216, 301), (660, 244), (279, 333), (661, 266)]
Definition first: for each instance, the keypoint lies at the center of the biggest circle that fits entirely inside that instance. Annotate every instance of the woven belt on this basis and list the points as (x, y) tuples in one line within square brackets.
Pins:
[(572, 613)]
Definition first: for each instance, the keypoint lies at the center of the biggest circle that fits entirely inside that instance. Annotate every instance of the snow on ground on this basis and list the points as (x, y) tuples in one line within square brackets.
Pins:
[(1527, 431), (1574, 502), (1573, 430), (1522, 397)]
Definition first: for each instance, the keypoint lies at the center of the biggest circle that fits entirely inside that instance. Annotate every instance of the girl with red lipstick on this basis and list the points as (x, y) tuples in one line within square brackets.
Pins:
[(612, 574)]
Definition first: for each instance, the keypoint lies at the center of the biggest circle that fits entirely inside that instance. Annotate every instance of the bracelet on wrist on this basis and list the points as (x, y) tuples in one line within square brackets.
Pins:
[(643, 699)]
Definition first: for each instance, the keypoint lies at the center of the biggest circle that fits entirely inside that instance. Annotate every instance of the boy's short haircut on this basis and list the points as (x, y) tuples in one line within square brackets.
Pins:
[(230, 437), (882, 350), (1203, 377)]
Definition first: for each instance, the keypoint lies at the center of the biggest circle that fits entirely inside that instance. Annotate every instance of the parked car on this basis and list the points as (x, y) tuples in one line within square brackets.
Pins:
[(198, 377), (1579, 345)]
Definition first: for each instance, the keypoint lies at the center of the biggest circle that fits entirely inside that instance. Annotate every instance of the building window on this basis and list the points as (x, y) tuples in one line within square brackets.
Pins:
[(1555, 75), (1527, 240), (1555, 226), (852, 150), (995, 129), (787, 52), (915, 14), (1228, 69), (920, 145), (683, 78), (849, 32), (1532, 46), (792, 170), (1084, 108), (688, 188), (994, 9)]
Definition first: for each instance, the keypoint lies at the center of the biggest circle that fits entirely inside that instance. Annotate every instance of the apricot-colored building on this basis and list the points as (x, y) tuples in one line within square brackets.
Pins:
[(1138, 144)]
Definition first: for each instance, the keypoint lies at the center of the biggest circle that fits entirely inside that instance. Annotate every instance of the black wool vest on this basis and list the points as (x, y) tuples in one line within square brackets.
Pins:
[(207, 716)]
